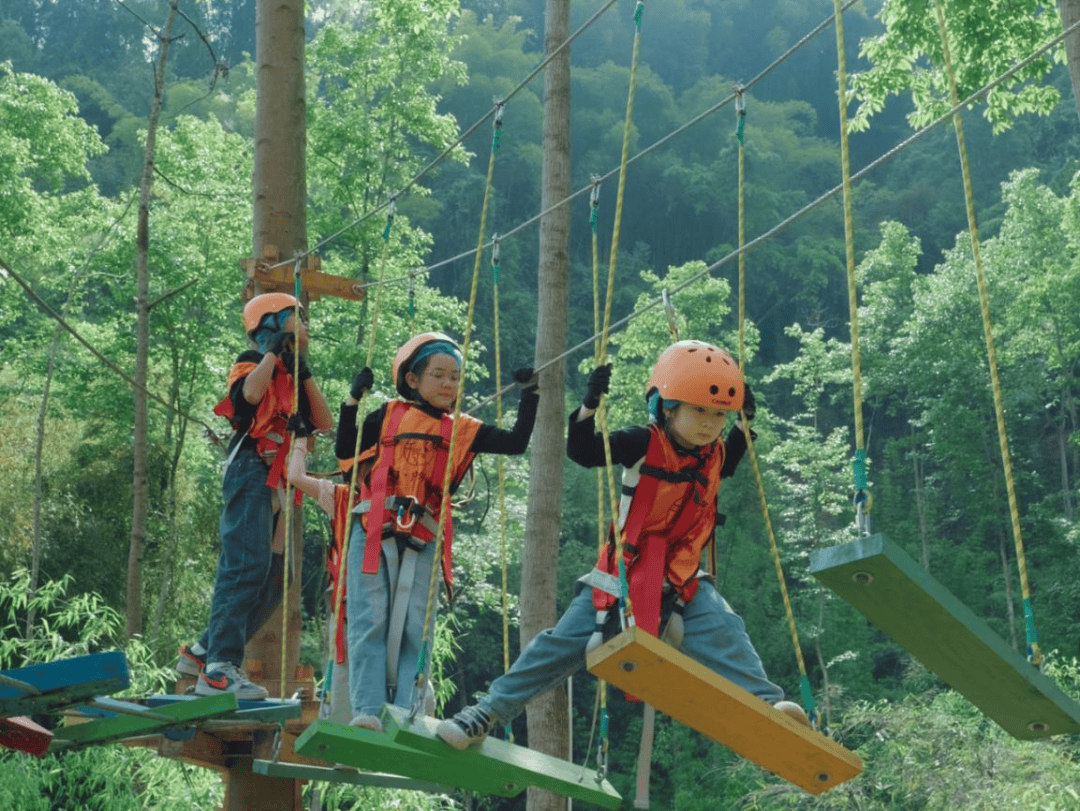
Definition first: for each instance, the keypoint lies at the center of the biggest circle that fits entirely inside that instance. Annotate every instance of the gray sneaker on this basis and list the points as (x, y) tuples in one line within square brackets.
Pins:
[(225, 677), (469, 726)]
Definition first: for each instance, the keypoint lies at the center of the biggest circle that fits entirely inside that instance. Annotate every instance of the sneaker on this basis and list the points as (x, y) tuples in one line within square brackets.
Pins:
[(225, 677), (367, 721), (190, 663), (469, 726), (793, 711)]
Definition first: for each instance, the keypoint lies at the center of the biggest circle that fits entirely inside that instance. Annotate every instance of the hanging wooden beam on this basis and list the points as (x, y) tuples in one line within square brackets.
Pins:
[(354, 776), (275, 274), (50, 686), (640, 664), (377, 752), (22, 734), (899, 597), (510, 763), (134, 724)]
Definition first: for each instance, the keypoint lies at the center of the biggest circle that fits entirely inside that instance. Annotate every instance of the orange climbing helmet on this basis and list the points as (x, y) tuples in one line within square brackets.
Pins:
[(265, 304), (697, 373), (408, 354)]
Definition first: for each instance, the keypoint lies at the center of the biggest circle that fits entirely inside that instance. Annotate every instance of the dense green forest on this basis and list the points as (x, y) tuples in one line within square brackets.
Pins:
[(392, 84)]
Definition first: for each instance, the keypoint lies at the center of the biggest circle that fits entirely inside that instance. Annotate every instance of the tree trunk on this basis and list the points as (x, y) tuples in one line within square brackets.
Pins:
[(140, 494), (1070, 13), (547, 727)]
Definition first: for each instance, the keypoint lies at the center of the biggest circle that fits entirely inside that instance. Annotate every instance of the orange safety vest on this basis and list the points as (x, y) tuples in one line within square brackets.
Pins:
[(669, 517), (405, 486), (270, 425)]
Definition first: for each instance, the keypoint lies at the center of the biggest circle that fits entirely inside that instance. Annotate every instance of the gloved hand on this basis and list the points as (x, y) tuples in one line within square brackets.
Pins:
[(362, 383), (526, 378), (599, 381), (297, 426), (281, 342), (749, 404)]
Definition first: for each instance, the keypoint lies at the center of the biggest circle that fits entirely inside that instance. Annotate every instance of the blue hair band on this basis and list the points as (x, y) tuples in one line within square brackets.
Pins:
[(435, 348)]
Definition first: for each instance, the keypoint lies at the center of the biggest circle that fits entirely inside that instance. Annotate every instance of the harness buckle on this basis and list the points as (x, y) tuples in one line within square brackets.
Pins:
[(411, 510)]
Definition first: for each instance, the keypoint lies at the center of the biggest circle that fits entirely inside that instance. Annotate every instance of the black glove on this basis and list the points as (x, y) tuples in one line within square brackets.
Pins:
[(749, 404), (297, 426), (599, 380), (362, 383), (526, 378), (281, 342)]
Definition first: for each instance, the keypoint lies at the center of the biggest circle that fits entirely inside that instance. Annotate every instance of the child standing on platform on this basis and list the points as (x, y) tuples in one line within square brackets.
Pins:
[(404, 449), (673, 468), (248, 586)]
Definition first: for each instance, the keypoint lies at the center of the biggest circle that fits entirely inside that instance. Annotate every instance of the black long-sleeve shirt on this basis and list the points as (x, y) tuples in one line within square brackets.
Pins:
[(586, 447), (488, 439)]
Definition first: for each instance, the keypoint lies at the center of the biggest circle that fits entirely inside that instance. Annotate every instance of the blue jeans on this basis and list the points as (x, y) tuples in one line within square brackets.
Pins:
[(713, 635), (248, 586), (368, 605)]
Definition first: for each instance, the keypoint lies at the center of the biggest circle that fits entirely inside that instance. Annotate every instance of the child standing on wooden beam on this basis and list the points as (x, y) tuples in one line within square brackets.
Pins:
[(673, 467), (404, 446), (248, 586)]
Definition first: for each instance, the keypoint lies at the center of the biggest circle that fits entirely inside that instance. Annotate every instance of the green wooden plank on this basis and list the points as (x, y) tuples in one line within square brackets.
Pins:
[(882, 581), (358, 777), (515, 763), (263, 711), (375, 751), (123, 726), (50, 686)]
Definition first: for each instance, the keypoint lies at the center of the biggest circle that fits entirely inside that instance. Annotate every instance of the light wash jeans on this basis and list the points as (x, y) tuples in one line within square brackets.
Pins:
[(248, 586), (367, 602), (713, 635)]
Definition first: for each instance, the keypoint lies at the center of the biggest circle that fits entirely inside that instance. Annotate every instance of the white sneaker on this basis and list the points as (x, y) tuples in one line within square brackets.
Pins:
[(367, 721), (469, 726), (225, 677), (793, 711)]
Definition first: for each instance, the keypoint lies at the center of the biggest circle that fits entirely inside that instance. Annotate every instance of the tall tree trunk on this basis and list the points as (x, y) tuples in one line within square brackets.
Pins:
[(1070, 13), (546, 715), (140, 495)]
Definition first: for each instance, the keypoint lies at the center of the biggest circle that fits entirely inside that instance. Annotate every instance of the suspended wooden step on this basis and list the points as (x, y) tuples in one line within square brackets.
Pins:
[(898, 596), (47, 687), (640, 664), (515, 765), (130, 720), (20, 733), (326, 774), (377, 752), (264, 711)]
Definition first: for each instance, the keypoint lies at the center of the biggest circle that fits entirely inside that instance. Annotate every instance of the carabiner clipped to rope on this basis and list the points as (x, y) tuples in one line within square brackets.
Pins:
[(672, 320), (740, 111)]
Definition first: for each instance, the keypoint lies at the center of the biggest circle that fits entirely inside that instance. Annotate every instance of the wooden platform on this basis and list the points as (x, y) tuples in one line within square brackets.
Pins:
[(899, 597), (52, 686), (515, 765), (639, 663), (377, 752), (327, 774)]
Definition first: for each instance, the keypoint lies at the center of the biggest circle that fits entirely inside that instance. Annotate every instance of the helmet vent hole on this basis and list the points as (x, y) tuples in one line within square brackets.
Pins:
[(714, 390), (731, 392)]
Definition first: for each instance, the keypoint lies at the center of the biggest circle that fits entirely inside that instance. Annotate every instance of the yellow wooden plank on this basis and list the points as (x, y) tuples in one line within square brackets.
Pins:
[(642, 665)]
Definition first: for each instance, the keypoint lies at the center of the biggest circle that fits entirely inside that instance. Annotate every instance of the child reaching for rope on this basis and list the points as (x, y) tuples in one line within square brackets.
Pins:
[(404, 449), (250, 570), (673, 468)]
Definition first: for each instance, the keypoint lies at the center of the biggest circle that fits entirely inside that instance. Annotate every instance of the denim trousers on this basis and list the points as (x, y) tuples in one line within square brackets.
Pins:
[(713, 635), (248, 586), (368, 604)]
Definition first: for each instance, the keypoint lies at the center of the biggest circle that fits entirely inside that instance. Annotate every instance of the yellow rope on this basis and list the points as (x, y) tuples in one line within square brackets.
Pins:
[(339, 590), (501, 466), (287, 506), (429, 610), (984, 306)]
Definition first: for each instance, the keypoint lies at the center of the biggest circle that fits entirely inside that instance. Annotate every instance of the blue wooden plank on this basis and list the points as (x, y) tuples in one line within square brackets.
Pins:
[(50, 686), (899, 597), (132, 725)]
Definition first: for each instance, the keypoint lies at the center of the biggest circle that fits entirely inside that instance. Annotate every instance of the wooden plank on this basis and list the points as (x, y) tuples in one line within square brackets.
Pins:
[(19, 732), (358, 777), (264, 711), (105, 730), (883, 582), (515, 764), (377, 752), (640, 664), (50, 686)]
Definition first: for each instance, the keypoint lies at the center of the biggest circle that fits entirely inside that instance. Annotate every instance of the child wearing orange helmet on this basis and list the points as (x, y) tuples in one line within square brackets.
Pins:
[(248, 586), (672, 471), (405, 448)]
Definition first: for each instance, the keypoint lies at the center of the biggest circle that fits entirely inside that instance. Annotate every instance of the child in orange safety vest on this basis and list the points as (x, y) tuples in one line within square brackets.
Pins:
[(404, 448), (672, 472), (248, 586)]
